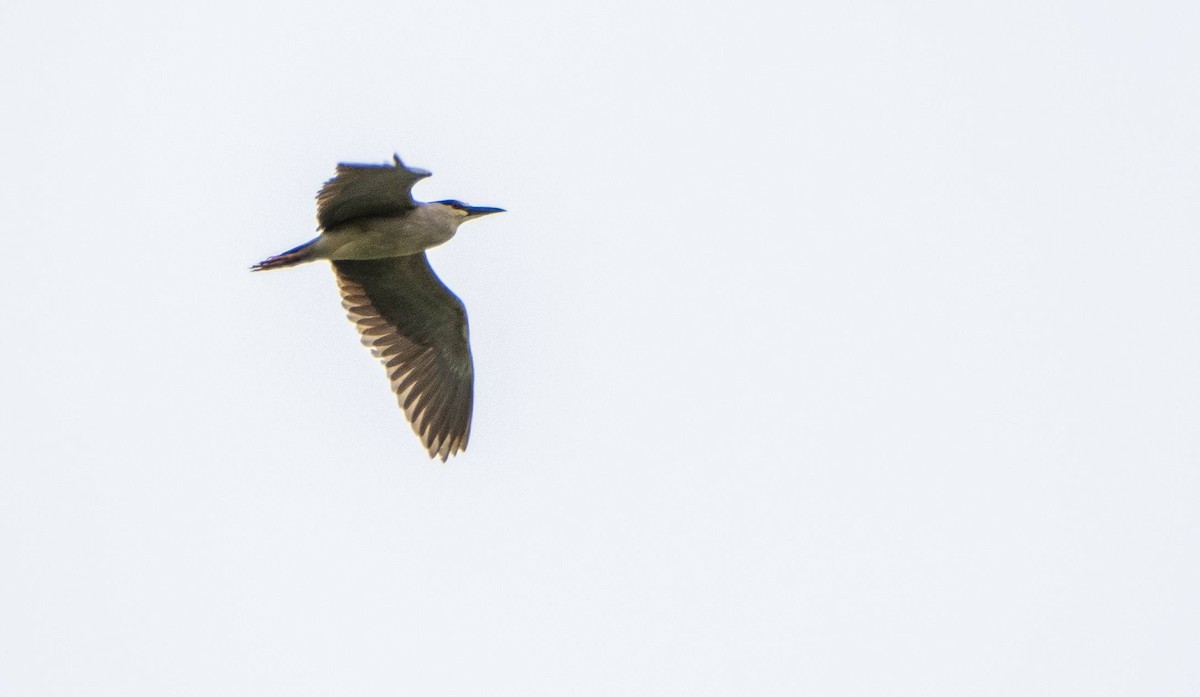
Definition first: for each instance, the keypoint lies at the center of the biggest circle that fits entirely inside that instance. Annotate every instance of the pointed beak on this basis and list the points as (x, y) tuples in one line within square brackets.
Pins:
[(478, 211)]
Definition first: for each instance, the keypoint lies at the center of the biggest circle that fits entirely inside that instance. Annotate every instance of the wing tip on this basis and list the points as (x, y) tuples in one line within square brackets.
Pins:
[(415, 171)]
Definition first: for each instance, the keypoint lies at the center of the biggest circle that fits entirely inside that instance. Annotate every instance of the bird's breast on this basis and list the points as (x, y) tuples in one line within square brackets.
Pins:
[(381, 237)]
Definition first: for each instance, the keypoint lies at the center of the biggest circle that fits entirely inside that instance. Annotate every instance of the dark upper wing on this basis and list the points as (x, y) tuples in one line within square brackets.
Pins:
[(367, 190), (418, 328)]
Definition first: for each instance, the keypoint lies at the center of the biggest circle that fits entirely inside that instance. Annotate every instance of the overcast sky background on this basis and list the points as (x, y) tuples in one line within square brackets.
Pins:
[(835, 349)]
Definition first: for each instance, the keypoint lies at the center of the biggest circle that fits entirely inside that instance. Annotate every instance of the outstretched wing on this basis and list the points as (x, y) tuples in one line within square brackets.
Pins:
[(418, 328), (367, 190)]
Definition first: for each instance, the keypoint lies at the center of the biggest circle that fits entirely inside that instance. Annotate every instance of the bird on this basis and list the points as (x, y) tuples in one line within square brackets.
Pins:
[(376, 235)]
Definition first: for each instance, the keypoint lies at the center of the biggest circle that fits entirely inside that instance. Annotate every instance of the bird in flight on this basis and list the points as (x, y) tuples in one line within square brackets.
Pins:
[(376, 236)]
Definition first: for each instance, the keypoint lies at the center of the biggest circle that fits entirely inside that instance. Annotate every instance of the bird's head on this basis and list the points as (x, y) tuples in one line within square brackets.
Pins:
[(465, 212)]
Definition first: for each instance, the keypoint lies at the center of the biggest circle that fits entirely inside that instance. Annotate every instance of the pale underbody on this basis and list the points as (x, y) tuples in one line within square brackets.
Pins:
[(388, 236)]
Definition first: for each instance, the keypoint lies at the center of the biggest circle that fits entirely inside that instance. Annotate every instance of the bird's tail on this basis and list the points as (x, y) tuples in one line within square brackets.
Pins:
[(291, 257)]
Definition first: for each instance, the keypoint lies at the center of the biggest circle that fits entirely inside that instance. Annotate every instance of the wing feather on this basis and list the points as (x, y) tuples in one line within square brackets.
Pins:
[(418, 330), (360, 191)]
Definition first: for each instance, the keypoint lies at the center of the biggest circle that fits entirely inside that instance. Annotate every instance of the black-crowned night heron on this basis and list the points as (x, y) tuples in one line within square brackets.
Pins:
[(376, 236)]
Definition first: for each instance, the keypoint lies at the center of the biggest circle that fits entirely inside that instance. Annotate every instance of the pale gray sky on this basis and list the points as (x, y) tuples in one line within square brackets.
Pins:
[(832, 349)]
